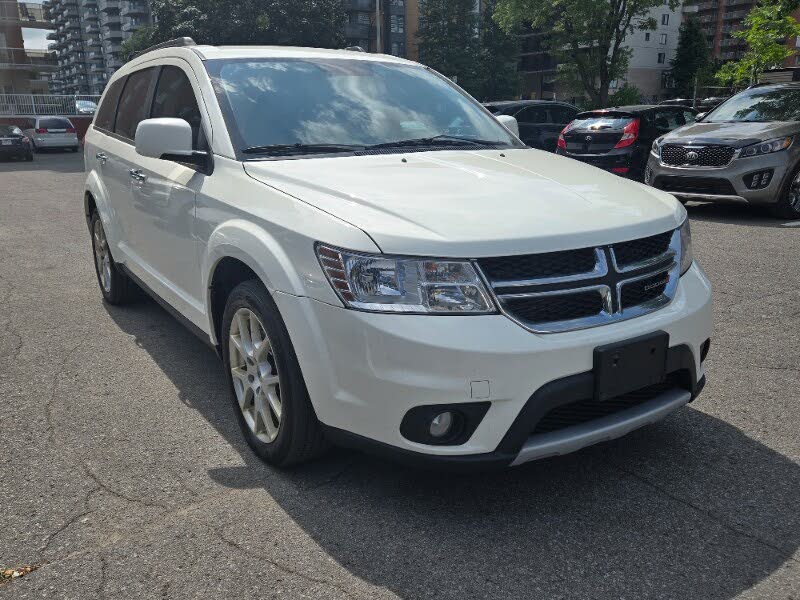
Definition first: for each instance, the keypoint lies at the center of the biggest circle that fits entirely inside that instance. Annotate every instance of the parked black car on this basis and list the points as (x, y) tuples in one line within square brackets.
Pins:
[(619, 139), (540, 121), (14, 143)]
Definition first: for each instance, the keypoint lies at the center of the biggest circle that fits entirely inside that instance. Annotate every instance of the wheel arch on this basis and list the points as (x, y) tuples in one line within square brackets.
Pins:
[(231, 258)]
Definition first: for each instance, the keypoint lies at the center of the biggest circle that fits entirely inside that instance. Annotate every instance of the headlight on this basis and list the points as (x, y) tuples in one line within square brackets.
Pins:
[(382, 283), (655, 149), (767, 147), (686, 247)]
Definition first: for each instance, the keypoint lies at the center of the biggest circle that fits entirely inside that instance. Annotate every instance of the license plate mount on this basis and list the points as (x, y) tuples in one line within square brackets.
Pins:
[(630, 365)]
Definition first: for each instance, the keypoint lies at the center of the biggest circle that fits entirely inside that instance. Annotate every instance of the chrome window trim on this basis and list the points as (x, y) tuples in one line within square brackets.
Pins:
[(608, 315)]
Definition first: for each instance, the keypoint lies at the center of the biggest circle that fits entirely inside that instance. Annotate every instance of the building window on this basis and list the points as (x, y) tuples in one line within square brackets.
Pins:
[(665, 19), (662, 58), (647, 36), (663, 39), (398, 49), (397, 24), (398, 3), (364, 18)]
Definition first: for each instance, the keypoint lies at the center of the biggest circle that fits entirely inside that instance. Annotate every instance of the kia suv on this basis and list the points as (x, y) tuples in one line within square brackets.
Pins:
[(382, 264), (744, 150)]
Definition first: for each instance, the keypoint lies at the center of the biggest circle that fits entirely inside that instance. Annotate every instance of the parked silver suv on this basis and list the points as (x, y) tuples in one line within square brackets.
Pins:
[(745, 150)]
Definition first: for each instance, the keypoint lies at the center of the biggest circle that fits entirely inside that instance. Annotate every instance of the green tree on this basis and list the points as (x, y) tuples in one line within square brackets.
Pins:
[(141, 39), (766, 29), (586, 34), (625, 96), (275, 22), (692, 60), (448, 40), (499, 56)]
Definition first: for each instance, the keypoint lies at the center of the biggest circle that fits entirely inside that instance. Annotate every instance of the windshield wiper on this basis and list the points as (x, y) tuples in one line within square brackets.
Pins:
[(443, 139), (288, 149)]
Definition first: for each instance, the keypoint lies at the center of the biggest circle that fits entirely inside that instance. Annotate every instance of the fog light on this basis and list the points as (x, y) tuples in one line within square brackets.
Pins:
[(441, 424), (648, 175)]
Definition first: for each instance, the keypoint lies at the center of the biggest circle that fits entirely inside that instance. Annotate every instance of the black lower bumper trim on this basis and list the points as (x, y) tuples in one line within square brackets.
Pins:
[(680, 363)]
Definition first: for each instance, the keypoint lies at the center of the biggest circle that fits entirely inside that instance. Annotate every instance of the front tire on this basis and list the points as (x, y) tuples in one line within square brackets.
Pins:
[(266, 385), (788, 205), (115, 286)]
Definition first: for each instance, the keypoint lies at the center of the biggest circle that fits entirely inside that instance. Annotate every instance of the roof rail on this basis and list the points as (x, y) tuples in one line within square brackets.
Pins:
[(355, 49), (180, 42)]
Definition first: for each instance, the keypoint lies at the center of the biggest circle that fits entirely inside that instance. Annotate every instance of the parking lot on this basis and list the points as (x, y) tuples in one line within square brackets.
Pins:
[(124, 473)]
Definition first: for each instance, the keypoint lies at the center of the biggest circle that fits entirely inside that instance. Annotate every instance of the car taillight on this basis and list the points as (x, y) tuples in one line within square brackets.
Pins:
[(629, 134), (562, 142), (41, 130), (70, 130)]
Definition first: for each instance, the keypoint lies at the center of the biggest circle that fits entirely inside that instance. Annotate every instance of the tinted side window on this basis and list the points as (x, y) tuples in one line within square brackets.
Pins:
[(133, 103), (175, 98), (532, 115), (108, 108), (562, 114)]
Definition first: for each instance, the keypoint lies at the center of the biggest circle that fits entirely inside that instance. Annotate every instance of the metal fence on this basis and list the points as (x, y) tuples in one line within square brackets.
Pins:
[(24, 105)]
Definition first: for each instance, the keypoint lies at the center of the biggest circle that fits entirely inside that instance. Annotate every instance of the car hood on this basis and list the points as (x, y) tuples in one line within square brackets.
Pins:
[(475, 203), (729, 134)]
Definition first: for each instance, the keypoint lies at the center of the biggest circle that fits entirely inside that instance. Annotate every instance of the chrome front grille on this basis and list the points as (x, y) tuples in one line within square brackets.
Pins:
[(576, 289), (696, 156)]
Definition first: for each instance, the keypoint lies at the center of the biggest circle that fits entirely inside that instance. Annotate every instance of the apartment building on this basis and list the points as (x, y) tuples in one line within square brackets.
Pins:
[(379, 25), (22, 71), (719, 19), (88, 40)]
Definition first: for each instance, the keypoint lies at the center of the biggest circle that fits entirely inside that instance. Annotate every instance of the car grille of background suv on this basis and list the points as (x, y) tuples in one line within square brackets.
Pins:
[(576, 289), (707, 156)]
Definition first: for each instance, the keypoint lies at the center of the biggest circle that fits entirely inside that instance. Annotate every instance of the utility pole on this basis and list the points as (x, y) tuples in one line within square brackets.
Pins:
[(378, 28)]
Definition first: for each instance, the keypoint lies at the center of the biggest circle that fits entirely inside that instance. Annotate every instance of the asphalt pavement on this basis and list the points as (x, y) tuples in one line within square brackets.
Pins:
[(123, 473)]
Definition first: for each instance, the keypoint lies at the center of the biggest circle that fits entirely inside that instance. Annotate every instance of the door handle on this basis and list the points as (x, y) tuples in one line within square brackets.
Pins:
[(101, 157), (137, 175)]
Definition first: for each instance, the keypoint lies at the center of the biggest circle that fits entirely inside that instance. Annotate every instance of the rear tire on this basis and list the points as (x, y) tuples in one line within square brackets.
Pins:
[(788, 205), (265, 382), (115, 286)]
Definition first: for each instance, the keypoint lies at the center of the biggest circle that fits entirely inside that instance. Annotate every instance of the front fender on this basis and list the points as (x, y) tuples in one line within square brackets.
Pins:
[(289, 265)]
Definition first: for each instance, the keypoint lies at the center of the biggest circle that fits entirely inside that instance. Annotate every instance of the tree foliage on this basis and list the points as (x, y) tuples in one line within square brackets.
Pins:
[(141, 39), (314, 23), (625, 96), (449, 42), (586, 34), (766, 29), (692, 60), (499, 52)]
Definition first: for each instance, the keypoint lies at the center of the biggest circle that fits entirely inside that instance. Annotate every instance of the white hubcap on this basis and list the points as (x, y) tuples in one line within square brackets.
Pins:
[(255, 375), (102, 257)]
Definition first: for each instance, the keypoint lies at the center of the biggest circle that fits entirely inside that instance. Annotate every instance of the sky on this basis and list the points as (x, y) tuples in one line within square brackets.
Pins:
[(35, 39)]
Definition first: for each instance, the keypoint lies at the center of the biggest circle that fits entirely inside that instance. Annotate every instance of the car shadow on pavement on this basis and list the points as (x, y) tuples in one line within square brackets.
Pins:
[(734, 214), (689, 508)]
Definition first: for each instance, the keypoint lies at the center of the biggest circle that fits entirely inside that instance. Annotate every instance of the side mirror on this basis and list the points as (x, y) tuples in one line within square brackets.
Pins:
[(509, 123), (168, 139)]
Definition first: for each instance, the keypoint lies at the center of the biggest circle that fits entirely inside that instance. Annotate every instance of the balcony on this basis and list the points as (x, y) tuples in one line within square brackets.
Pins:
[(110, 20), (361, 5), (25, 14), (108, 6), (72, 24), (110, 33), (90, 15), (91, 29), (133, 9), (19, 59), (359, 31), (131, 26)]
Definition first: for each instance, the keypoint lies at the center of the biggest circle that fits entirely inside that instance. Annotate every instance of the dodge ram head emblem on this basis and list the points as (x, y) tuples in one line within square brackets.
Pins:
[(692, 156), (588, 139)]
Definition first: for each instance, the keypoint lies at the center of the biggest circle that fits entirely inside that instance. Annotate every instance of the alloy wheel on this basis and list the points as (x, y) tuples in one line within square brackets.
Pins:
[(794, 193), (254, 371), (102, 257)]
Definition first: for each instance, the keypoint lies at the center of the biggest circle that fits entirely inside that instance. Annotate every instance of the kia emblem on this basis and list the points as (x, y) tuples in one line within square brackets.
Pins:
[(692, 156)]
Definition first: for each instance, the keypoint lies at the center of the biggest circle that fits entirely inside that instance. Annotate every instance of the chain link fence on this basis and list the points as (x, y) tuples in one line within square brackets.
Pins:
[(30, 105)]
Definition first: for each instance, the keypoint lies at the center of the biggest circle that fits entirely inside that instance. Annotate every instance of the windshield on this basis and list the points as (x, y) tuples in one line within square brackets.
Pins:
[(336, 103), (759, 104)]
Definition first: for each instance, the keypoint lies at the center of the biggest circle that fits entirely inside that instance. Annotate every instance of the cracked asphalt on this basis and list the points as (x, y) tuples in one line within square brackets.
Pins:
[(123, 474)]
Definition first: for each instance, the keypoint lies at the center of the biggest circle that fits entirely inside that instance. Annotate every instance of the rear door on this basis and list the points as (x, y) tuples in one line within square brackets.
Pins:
[(559, 117), (121, 159), (532, 120), (596, 132)]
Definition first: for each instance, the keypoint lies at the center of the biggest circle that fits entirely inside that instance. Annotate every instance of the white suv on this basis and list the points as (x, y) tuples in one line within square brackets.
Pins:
[(382, 264)]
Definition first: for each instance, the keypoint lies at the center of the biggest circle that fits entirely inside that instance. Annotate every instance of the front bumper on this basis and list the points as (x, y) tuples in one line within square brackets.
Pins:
[(365, 371), (728, 183)]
